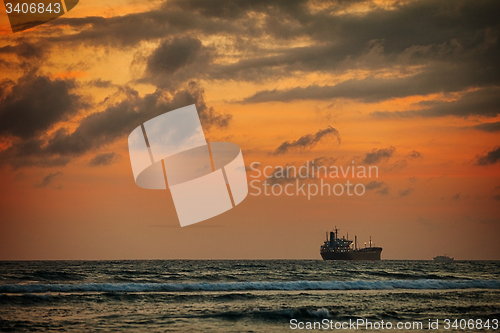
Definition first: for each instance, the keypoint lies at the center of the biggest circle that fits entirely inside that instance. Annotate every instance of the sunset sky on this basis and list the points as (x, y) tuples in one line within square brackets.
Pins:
[(412, 87)]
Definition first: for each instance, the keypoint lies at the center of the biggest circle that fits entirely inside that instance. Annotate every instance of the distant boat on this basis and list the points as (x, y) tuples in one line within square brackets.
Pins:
[(337, 248), (443, 258)]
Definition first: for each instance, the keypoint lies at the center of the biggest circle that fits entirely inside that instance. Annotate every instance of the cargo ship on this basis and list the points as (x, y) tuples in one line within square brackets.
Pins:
[(337, 248)]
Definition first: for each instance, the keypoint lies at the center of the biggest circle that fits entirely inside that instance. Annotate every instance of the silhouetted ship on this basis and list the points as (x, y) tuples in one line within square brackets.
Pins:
[(444, 258), (340, 249)]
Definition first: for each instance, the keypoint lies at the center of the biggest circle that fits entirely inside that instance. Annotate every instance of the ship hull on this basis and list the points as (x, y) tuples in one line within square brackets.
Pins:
[(362, 254)]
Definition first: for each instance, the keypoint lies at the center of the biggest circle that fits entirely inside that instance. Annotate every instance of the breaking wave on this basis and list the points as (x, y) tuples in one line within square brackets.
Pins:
[(253, 285)]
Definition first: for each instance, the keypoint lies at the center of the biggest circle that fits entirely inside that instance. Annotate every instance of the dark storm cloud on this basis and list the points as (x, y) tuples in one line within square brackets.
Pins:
[(49, 179), (484, 102), (26, 57), (174, 18), (103, 159), (5, 86), (454, 44), (131, 29), (24, 50), (35, 103), (429, 47), (235, 9), (195, 94), (456, 51), (488, 127), (120, 119), (100, 128), (434, 80), (177, 60), (378, 155), (417, 22), (307, 141), (490, 157), (419, 30), (170, 56)]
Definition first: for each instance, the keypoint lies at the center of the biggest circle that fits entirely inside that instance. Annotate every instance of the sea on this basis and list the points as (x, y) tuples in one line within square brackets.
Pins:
[(249, 296)]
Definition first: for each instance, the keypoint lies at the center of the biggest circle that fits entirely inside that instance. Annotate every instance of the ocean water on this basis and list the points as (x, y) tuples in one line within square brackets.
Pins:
[(246, 296)]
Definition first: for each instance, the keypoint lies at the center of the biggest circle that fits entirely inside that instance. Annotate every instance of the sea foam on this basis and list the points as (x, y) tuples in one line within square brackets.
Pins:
[(252, 285)]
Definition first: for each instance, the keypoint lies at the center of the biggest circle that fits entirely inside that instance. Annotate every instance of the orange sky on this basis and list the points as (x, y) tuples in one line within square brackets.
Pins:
[(282, 74)]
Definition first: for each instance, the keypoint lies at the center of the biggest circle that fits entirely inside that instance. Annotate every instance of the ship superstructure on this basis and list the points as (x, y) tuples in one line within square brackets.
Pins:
[(444, 258), (335, 248)]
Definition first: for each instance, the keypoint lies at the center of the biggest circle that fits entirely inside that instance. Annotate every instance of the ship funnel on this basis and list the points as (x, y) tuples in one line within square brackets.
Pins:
[(332, 239)]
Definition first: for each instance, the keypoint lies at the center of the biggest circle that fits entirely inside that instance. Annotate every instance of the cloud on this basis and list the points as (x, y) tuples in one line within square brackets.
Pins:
[(414, 154), (176, 61), (323, 161), (24, 50), (383, 188), (103, 159), (490, 157), (29, 55), (383, 191), (427, 223), (483, 102), (284, 175), (216, 40), (407, 48), (49, 179), (307, 141), (129, 30), (488, 127), (100, 83), (173, 55), (404, 193), (240, 8), (399, 164), (374, 185), (453, 50), (100, 128), (370, 89), (433, 78), (252, 167), (377, 155), (35, 103), (305, 172), (209, 117)]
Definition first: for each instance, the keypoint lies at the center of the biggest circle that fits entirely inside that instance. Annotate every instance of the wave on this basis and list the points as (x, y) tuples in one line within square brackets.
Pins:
[(267, 315), (253, 285)]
